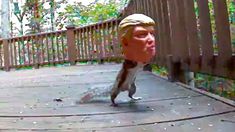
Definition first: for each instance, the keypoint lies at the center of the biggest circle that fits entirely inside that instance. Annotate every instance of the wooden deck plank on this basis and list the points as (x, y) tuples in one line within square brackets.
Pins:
[(26, 103), (146, 112)]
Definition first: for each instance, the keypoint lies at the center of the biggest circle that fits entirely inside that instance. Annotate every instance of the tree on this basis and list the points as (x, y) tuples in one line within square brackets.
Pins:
[(47, 15), (36, 14), (80, 15), (20, 16), (5, 19)]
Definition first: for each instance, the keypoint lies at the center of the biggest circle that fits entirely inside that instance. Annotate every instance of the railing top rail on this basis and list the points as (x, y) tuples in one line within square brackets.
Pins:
[(99, 23), (62, 31), (36, 34)]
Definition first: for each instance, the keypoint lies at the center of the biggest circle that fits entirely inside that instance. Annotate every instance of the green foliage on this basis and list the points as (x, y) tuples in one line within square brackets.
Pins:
[(221, 86), (100, 12), (40, 13), (70, 14), (36, 14), (80, 15), (231, 11), (162, 71)]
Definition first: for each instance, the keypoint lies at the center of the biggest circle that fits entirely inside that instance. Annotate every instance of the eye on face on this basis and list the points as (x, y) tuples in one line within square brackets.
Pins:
[(143, 32), (142, 37)]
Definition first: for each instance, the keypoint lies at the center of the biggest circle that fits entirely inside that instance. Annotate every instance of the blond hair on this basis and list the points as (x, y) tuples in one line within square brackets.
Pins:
[(127, 24)]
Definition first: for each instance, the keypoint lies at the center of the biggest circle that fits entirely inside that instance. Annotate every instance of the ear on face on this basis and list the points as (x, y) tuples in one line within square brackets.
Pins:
[(124, 42)]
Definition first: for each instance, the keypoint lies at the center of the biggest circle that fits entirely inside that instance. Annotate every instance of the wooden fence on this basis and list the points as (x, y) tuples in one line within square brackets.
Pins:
[(93, 42), (190, 37)]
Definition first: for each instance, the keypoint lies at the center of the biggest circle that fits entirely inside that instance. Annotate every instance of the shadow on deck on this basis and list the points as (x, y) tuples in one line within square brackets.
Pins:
[(27, 103)]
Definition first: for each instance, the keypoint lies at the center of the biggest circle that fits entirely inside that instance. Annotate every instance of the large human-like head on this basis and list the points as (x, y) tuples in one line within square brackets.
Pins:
[(136, 34)]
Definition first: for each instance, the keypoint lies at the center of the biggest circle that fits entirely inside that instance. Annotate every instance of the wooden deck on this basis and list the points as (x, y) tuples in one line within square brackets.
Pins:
[(27, 103)]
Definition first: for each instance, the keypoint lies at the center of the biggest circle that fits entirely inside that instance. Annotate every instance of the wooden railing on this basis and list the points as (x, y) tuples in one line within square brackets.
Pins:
[(186, 40), (93, 42), (98, 41)]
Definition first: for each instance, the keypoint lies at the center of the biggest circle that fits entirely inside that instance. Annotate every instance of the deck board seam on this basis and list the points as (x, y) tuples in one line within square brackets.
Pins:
[(138, 124), (64, 115)]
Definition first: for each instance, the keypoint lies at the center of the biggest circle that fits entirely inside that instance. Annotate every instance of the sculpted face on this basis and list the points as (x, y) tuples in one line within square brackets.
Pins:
[(140, 46)]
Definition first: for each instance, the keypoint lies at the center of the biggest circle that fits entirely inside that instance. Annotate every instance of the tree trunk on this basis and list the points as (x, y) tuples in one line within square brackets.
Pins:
[(5, 18)]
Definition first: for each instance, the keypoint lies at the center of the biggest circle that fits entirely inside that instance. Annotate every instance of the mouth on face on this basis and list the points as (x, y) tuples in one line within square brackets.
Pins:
[(151, 48)]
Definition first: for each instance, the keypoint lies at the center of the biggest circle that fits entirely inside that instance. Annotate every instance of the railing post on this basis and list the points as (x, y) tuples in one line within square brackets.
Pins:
[(6, 55), (36, 62), (72, 54), (175, 73)]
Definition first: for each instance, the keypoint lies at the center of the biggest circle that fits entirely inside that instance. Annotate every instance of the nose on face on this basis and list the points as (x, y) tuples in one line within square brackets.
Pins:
[(150, 38)]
